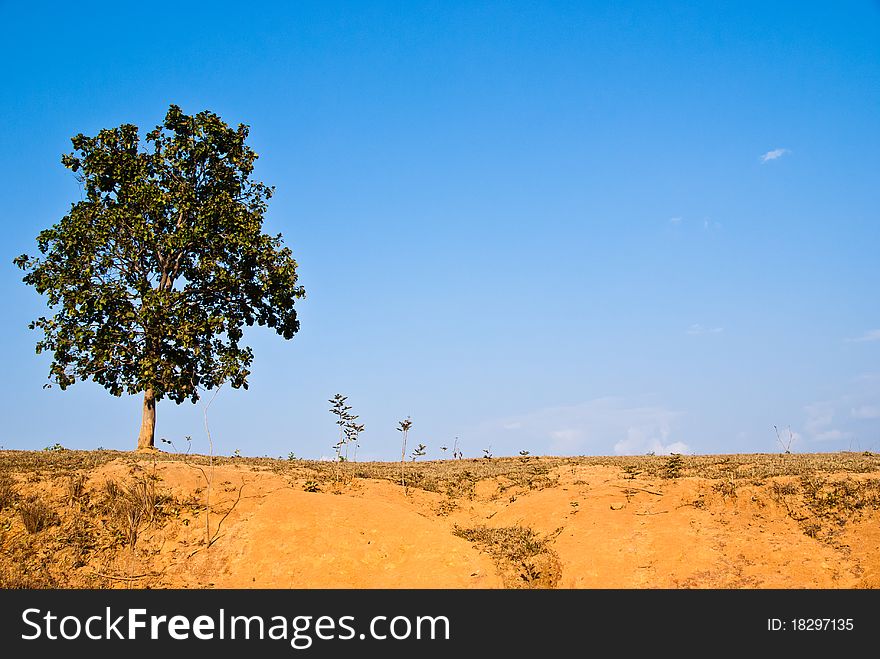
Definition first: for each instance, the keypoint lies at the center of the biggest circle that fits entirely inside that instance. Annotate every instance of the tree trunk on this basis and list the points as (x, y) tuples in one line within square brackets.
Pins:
[(148, 422)]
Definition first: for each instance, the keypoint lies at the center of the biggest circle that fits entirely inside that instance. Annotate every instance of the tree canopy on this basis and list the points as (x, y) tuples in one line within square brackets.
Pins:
[(154, 273)]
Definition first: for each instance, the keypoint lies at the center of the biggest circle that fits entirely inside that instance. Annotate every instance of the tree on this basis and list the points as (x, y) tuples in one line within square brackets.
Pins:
[(343, 420), (403, 426), (154, 273), (349, 431)]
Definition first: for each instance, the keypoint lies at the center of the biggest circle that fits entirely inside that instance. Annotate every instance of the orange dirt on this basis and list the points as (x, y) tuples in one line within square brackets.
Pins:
[(592, 526)]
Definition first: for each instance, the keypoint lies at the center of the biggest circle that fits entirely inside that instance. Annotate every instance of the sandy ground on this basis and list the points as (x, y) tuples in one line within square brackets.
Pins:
[(596, 527)]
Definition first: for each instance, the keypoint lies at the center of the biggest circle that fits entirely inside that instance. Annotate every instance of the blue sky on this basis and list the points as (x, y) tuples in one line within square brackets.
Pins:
[(564, 227)]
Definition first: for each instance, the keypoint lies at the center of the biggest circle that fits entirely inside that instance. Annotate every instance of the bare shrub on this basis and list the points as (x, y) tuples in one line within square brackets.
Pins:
[(36, 514), (76, 489)]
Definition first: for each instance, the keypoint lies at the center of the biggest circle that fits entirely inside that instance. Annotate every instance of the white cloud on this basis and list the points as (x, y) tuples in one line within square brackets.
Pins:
[(637, 445), (594, 427), (774, 154), (819, 417), (674, 220), (870, 335), (865, 412), (696, 329), (848, 419), (831, 435)]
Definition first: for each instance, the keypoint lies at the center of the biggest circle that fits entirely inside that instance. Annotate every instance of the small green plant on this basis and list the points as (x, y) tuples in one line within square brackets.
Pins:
[(236, 453), (343, 416), (187, 439), (311, 486), (291, 456), (349, 431), (418, 452), (487, 452), (55, 447), (352, 434)]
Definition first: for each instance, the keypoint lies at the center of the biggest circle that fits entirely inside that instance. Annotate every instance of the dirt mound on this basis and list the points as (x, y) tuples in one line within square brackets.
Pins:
[(106, 520)]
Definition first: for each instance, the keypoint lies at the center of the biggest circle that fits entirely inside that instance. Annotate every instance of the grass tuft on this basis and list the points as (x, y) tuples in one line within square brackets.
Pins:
[(36, 514)]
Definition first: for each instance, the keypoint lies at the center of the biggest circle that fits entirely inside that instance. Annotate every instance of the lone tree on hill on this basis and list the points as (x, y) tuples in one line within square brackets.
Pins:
[(153, 274)]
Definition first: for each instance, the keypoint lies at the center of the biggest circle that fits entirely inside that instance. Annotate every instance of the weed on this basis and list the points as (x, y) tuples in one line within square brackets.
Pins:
[(110, 494), (141, 496), (727, 489), (76, 489), (36, 514), (311, 486), (783, 489), (631, 471), (133, 504), (79, 537), (523, 558), (826, 505), (673, 466), (25, 570), (418, 452), (8, 494)]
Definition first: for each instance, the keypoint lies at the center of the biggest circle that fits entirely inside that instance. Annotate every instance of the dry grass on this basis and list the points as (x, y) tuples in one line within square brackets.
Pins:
[(823, 506), (55, 461), (524, 559), (457, 478), (25, 568), (36, 514), (8, 494), (53, 519)]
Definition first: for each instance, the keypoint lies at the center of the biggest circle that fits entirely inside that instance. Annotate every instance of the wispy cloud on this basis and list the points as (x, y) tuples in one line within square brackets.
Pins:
[(832, 435), (820, 416), (774, 155), (596, 426), (696, 329), (870, 335), (865, 412), (848, 419), (675, 221)]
